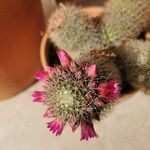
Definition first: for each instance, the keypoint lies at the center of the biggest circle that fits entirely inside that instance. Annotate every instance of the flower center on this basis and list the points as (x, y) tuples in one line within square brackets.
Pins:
[(67, 100), (65, 97)]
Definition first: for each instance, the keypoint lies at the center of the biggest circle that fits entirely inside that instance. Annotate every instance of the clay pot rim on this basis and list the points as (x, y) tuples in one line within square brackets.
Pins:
[(43, 49)]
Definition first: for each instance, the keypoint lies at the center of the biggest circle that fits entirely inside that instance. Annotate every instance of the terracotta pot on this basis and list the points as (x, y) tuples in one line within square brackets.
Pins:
[(20, 26)]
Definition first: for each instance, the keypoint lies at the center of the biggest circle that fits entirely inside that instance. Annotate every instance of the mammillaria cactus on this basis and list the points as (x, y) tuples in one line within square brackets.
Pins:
[(74, 94), (71, 30)]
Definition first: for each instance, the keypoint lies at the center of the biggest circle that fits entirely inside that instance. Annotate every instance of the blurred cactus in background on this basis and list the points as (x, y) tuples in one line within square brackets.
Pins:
[(134, 57)]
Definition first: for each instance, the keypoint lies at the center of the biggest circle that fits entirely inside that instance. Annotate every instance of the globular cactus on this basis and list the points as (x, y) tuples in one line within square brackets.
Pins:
[(124, 19), (76, 95), (69, 29), (134, 61)]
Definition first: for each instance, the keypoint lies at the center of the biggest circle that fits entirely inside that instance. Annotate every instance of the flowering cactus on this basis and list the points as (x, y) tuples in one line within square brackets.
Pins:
[(74, 94)]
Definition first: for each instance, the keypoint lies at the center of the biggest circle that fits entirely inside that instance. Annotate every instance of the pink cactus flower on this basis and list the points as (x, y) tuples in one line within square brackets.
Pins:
[(38, 96), (64, 58), (56, 126), (109, 90), (41, 75), (91, 71), (48, 114), (87, 131), (50, 70)]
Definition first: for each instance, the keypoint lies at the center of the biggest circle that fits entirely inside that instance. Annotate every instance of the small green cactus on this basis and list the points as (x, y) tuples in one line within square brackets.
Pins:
[(124, 19)]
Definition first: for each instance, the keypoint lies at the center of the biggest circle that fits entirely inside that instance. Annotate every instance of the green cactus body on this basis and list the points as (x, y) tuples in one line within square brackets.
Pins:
[(74, 32), (124, 19)]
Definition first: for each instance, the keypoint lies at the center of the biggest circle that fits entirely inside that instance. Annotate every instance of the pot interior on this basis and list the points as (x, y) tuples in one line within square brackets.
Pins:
[(50, 54)]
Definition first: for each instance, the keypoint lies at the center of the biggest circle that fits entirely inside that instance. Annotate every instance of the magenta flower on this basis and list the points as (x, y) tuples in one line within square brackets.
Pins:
[(48, 114), (65, 60), (109, 90), (56, 126), (74, 94), (91, 71), (41, 75), (38, 96), (87, 131)]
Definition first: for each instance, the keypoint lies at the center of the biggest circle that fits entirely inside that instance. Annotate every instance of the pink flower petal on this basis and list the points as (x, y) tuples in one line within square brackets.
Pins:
[(56, 126), (64, 58), (109, 90), (47, 114), (38, 96), (50, 70), (74, 125), (41, 75), (91, 71), (87, 131)]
